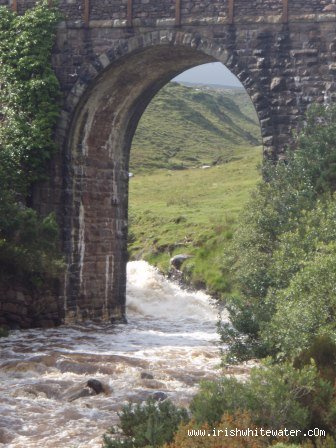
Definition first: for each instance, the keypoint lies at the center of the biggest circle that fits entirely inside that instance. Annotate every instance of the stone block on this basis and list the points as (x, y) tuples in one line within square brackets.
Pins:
[(278, 84)]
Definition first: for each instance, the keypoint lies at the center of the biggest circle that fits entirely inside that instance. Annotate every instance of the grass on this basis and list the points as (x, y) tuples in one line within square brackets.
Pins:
[(185, 127), (193, 211), (177, 207)]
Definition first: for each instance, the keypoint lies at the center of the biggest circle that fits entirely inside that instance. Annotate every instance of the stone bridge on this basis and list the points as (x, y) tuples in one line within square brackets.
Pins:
[(112, 56)]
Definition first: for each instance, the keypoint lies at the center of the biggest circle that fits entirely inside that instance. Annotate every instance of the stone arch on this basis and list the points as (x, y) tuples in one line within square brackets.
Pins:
[(102, 113), (219, 52)]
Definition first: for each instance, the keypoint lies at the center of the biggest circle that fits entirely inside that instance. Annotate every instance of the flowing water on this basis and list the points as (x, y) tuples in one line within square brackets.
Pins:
[(171, 335)]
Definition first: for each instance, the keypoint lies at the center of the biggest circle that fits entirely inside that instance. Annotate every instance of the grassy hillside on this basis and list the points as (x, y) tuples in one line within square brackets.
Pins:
[(194, 210), (187, 127)]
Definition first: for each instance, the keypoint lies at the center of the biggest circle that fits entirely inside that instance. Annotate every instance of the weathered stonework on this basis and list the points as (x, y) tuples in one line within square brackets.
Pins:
[(27, 307), (111, 60)]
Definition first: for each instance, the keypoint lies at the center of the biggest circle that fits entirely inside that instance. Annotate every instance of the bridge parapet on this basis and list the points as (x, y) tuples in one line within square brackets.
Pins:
[(144, 13)]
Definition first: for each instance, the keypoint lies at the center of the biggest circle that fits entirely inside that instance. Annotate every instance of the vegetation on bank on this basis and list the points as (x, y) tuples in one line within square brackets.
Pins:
[(193, 212), (283, 399), (283, 255), (29, 101), (146, 425), (289, 398)]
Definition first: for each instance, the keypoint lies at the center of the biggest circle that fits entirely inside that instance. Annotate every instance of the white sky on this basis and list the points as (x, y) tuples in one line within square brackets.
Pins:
[(213, 73)]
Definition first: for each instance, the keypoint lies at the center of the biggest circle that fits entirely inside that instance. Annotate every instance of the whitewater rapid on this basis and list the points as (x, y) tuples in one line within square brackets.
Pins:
[(171, 335)]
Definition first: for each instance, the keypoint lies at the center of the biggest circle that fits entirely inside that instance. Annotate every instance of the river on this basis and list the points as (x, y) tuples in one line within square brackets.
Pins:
[(170, 335)]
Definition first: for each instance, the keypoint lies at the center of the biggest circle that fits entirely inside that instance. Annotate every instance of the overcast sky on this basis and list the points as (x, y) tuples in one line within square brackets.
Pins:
[(213, 73)]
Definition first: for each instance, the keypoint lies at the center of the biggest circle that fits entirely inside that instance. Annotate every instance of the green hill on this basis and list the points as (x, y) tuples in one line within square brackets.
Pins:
[(187, 127), (193, 211)]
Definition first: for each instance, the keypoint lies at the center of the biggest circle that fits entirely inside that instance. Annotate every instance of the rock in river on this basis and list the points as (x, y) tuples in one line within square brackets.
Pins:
[(92, 387), (177, 260)]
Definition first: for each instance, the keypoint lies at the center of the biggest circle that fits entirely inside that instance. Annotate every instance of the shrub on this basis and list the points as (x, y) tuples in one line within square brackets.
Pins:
[(284, 231), (328, 442), (215, 398), (285, 445), (29, 100), (307, 307), (323, 352), (149, 424), (238, 420), (278, 395), (29, 94), (272, 395)]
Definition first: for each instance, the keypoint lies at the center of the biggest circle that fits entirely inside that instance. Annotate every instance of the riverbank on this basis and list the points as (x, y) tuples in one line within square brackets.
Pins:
[(195, 212)]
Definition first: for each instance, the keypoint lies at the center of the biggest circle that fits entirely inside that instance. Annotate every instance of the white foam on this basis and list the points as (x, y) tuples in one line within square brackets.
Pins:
[(171, 333), (150, 294)]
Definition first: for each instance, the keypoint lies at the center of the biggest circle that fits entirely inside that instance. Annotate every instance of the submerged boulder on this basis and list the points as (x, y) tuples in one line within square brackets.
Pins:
[(96, 386), (159, 396), (92, 387), (146, 376)]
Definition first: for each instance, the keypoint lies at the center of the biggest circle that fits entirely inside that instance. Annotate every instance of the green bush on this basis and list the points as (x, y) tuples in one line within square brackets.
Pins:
[(286, 231), (285, 445), (306, 308), (328, 442), (321, 403), (238, 420), (272, 395), (29, 94), (301, 396), (29, 100), (215, 398), (323, 352), (146, 425)]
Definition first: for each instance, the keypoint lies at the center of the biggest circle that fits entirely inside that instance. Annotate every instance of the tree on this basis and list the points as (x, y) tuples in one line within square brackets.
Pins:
[(280, 232)]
